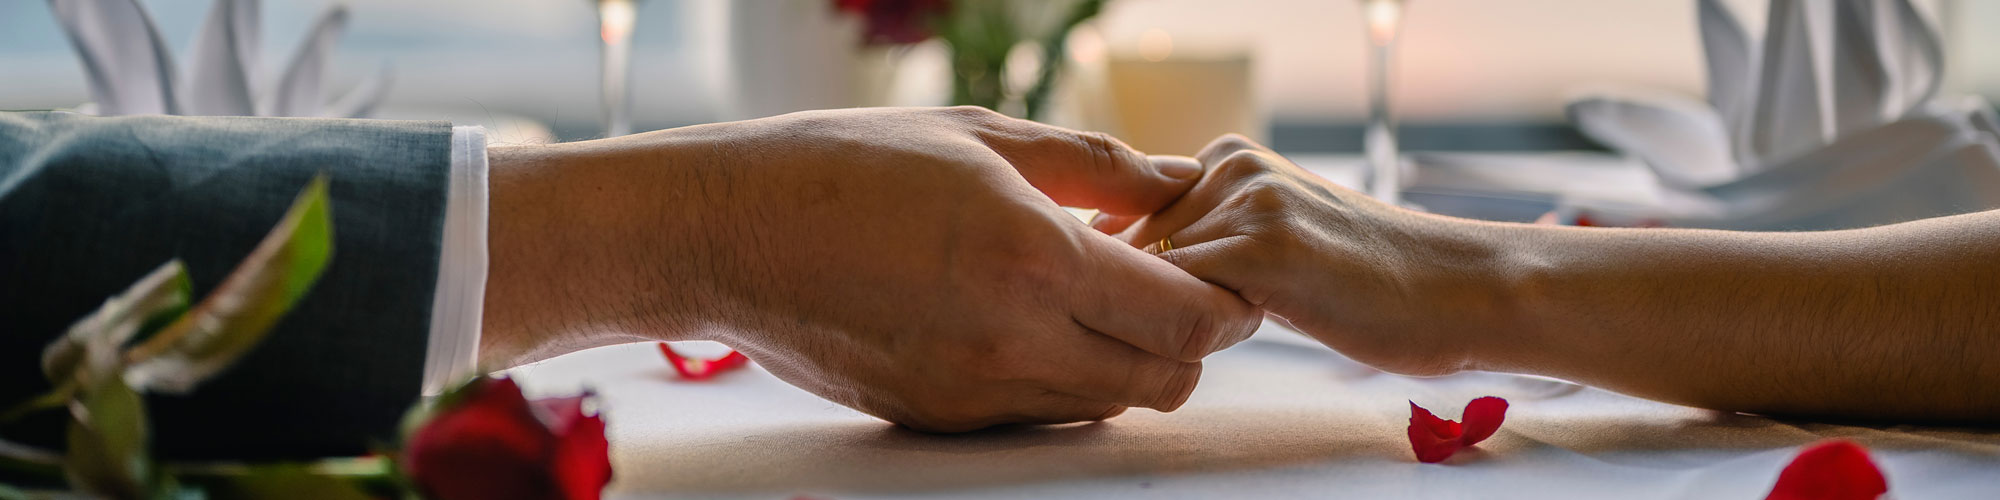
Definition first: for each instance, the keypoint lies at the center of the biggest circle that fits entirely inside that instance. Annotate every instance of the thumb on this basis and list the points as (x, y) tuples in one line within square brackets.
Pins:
[(1091, 169)]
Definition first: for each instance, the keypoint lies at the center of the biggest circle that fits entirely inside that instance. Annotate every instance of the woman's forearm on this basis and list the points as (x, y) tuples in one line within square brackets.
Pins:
[(1894, 322)]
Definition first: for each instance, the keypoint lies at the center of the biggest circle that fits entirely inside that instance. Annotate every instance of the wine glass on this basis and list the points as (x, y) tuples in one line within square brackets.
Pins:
[(615, 19), (1382, 18)]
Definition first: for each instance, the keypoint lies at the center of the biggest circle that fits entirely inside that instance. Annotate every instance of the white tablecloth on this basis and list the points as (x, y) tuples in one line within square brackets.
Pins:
[(1277, 416), (1273, 417)]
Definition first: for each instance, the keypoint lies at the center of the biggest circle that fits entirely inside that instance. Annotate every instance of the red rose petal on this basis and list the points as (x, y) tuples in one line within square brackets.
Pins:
[(896, 21), (1835, 469), (1482, 419), (1431, 425), (702, 369), (1585, 220), (557, 413), (582, 460), (487, 446), (1435, 439)]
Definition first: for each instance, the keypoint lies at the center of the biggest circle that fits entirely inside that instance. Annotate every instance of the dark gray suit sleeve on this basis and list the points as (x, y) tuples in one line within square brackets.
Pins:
[(89, 204)]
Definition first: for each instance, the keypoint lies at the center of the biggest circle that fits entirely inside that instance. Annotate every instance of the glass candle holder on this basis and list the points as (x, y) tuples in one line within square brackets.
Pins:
[(1382, 19), (615, 19)]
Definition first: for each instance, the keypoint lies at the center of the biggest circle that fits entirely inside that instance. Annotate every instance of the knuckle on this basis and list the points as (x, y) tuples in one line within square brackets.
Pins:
[(1198, 327), (1178, 386), (971, 113), (1243, 324), (1265, 196), (1228, 144), (1242, 164), (1103, 151), (1180, 258), (1236, 141)]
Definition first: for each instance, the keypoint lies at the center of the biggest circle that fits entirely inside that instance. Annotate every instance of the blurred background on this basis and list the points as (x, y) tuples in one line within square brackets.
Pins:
[(1469, 75), (1464, 64)]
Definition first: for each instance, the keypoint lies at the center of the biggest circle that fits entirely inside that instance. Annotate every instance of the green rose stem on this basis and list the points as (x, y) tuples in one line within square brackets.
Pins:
[(1054, 51), (980, 35)]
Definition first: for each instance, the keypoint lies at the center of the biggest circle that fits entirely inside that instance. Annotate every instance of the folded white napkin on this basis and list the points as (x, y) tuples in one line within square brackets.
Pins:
[(131, 71), (1834, 123)]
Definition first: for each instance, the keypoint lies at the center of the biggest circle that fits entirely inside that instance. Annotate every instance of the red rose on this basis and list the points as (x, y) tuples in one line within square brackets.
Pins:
[(488, 442), (896, 21)]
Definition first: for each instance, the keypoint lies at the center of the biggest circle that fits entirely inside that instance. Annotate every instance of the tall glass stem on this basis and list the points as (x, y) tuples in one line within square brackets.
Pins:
[(615, 19), (1379, 140)]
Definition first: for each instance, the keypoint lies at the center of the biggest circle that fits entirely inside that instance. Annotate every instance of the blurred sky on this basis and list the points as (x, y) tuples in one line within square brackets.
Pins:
[(1464, 60)]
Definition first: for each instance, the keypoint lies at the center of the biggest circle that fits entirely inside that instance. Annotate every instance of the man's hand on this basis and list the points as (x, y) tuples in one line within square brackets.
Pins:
[(911, 263)]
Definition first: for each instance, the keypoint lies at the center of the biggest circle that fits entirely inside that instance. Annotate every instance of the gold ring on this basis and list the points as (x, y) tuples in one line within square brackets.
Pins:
[(1163, 246)]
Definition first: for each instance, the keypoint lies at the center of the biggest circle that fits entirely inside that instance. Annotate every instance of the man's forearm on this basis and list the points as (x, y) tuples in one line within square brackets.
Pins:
[(1894, 322)]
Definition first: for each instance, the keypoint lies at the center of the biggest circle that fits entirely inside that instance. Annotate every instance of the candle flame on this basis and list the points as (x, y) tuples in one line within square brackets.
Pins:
[(1156, 45), (1383, 17), (615, 19)]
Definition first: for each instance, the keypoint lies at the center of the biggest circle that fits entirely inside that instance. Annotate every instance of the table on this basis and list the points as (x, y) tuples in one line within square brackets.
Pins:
[(1275, 416)]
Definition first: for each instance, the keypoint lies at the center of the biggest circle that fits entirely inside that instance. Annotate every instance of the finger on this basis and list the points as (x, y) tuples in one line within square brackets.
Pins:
[(1218, 224), (1229, 174), (1096, 367), (1148, 232), (1088, 169), (1113, 225), (1147, 303), (1230, 262)]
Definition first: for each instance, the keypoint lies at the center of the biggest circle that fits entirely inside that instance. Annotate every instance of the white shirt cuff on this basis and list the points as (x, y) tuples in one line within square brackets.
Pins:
[(458, 304)]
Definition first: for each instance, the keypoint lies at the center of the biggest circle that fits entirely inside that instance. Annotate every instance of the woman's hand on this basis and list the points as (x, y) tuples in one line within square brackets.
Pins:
[(1386, 286), (1891, 322)]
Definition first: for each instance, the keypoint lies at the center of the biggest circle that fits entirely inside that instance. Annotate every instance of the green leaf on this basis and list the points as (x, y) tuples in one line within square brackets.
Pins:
[(160, 296), (334, 479), (237, 315), (107, 438), (285, 482), (53, 399), (12, 493)]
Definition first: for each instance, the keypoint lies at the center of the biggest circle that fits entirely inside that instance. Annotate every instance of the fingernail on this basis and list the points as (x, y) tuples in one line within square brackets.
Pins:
[(1098, 219), (1178, 167)]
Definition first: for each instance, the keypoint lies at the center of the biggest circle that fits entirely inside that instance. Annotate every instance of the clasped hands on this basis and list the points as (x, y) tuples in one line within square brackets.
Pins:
[(915, 264)]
